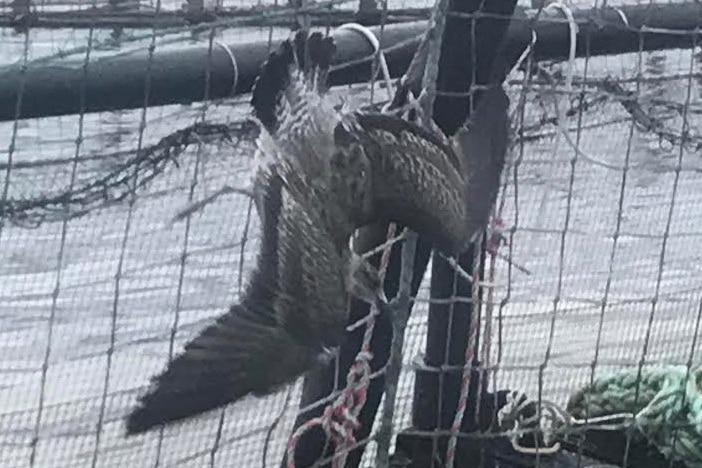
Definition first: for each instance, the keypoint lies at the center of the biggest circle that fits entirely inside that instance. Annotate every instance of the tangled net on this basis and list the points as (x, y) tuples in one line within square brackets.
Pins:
[(115, 186), (144, 165), (662, 405)]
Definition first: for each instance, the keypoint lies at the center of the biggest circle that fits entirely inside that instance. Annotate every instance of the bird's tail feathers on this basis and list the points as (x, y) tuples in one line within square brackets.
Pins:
[(298, 66)]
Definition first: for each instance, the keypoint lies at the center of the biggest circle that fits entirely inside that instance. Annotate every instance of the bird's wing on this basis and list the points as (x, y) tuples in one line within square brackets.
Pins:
[(483, 146), (416, 177), (443, 189), (246, 350), (243, 352), (311, 270)]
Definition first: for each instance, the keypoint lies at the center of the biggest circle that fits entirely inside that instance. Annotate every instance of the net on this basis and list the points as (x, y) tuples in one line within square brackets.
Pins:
[(599, 271)]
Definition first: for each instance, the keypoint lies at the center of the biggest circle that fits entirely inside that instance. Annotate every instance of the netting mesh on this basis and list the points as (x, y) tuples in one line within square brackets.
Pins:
[(600, 272)]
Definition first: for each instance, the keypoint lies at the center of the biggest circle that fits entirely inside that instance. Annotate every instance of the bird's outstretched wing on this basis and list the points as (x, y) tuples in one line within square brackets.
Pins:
[(248, 350), (244, 352), (294, 307)]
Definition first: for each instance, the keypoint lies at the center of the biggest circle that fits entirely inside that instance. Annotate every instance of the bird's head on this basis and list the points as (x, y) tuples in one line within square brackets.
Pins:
[(363, 280)]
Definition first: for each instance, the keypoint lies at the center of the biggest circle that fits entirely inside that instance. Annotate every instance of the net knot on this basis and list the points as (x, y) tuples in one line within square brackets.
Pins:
[(521, 415)]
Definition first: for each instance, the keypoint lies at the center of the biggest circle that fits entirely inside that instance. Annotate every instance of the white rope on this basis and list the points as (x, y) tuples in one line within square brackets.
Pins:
[(621, 14), (375, 43), (527, 50), (235, 65), (554, 421), (573, 29)]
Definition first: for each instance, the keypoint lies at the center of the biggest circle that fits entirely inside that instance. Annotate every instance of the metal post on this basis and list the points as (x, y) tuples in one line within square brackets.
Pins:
[(469, 47)]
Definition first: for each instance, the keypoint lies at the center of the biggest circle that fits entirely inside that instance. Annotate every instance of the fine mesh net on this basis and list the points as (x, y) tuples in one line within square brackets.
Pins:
[(99, 286)]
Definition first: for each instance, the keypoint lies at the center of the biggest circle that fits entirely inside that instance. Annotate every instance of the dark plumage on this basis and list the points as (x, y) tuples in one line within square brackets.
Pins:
[(292, 311), (380, 167), (322, 174), (442, 188)]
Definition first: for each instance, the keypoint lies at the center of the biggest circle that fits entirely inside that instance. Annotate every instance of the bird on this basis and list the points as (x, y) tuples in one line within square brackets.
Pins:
[(321, 173)]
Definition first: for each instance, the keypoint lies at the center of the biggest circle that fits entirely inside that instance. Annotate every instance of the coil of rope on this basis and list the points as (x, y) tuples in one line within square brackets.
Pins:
[(663, 405)]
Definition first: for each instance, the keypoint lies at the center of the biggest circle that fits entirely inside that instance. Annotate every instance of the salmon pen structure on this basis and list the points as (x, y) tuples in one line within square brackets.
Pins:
[(564, 333)]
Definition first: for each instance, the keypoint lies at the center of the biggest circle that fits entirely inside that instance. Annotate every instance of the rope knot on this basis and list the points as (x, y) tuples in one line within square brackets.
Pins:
[(340, 419)]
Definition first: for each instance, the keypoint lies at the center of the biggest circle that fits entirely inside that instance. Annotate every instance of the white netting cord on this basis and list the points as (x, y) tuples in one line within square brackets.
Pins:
[(560, 115), (514, 418), (377, 52), (521, 415), (235, 65)]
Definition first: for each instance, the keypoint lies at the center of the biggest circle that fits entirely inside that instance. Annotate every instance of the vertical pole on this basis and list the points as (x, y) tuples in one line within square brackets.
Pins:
[(368, 12), (468, 50)]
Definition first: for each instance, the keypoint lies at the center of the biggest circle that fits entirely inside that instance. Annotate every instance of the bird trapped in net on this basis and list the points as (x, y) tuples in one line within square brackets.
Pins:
[(321, 175)]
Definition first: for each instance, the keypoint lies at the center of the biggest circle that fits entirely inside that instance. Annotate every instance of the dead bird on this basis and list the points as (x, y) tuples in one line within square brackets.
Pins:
[(322, 173), (293, 311)]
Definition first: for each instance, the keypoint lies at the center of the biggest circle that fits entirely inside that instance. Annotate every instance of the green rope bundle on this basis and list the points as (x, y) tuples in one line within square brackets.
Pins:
[(668, 411)]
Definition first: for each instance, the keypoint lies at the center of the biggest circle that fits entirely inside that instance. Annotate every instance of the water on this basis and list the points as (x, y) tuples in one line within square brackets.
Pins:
[(110, 286)]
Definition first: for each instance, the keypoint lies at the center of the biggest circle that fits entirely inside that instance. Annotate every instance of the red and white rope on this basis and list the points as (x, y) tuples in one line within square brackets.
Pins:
[(340, 418)]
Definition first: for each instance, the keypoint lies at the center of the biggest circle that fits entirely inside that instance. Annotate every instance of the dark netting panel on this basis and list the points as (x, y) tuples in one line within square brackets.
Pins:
[(100, 285)]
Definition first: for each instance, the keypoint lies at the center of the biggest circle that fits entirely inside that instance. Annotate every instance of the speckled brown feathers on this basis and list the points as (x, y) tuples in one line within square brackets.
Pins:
[(294, 307), (322, 174), (443, 189)]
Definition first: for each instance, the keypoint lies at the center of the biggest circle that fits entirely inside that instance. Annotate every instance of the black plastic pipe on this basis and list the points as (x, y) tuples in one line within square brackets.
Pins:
[(179, 76)]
